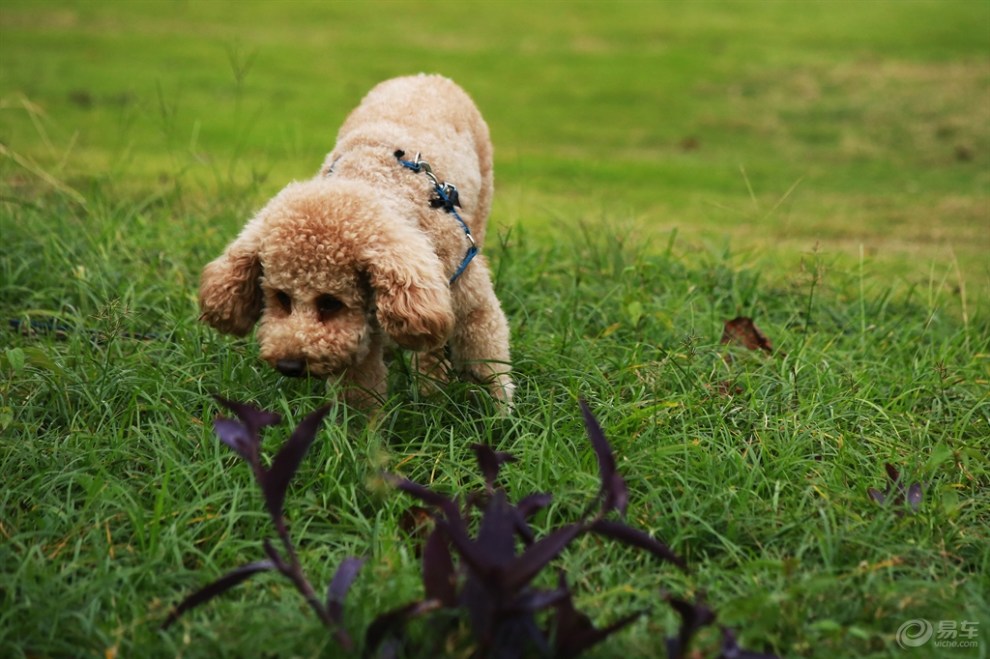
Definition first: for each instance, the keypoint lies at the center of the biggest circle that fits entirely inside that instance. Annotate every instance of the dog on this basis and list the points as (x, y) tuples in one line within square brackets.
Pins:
[(379, 249)]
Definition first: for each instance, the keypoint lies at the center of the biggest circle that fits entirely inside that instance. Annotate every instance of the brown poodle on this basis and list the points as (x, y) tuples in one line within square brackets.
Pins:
[(375, 250)]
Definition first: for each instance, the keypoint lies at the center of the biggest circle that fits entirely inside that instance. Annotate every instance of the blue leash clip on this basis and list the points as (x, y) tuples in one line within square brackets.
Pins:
[(447, 199)]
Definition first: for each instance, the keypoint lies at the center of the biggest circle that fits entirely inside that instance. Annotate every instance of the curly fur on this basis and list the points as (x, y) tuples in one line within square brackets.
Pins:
[(335, 268)]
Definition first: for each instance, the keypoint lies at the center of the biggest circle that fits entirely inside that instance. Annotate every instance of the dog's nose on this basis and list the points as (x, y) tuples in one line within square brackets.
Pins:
[(293, 368)]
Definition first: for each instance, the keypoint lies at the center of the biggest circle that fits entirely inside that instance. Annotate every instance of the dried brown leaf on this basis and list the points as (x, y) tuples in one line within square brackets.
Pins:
[(743, 330)]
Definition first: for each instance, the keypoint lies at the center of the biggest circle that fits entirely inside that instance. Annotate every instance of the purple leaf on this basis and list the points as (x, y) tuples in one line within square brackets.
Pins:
[(574, 632), (346, 572), (490, 461), (287, 460), (394, 620), (613, 488), (481, 597), (694, 616), (616, 495), (452, 523), (524, 628), (525, 509), (273, 554), (238, 437), (466, 548), (588, 638), (570, 625), (389, 650), (531, 504), (897, 494), (532, 601), (252, 417), (438, 570), (496, 535), (421, 492), (477, 499), (522, 528), (565, 611), (731, 649), (537, 555), (218, 587), (516, 636), (636, 538), (914, 495), (674, 649)]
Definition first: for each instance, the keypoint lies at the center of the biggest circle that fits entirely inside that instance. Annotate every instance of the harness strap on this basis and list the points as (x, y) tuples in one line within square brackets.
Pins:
[(446, 198)]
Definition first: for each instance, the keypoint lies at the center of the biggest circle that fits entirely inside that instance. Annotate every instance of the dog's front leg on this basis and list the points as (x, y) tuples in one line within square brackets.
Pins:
[(479, 346)]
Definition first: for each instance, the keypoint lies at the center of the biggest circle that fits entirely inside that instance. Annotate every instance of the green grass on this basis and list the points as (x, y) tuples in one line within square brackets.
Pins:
[(821, 167)]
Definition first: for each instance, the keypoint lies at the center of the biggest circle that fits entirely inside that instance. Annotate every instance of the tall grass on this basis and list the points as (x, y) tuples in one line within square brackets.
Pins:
[(118, 498)]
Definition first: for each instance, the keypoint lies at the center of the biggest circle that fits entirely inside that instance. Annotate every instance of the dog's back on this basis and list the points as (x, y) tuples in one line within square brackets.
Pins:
[(432, 116)]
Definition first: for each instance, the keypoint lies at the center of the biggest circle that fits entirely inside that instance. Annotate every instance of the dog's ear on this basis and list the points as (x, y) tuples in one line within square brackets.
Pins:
[(412, 296), (230, 296)]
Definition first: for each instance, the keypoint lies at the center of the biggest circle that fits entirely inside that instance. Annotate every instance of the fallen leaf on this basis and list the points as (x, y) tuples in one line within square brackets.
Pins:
[(743, 330)]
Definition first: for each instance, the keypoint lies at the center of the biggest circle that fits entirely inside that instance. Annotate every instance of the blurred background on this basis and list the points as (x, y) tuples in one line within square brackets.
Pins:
[(854, 130)]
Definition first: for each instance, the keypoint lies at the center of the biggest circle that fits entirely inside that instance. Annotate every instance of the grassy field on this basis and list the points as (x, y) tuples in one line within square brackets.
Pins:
[(823, 167)]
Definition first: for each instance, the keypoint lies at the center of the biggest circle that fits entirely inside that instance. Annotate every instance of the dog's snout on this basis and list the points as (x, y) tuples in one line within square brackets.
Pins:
[(292, 368)]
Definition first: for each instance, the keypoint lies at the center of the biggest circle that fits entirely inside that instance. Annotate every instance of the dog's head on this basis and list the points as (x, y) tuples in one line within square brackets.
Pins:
[(323, 267)]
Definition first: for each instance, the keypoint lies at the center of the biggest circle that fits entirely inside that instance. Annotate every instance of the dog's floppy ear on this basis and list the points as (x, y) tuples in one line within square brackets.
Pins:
[(230, 296), (412, 296)]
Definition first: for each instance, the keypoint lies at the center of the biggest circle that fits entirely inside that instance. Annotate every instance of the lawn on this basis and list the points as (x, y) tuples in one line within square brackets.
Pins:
[(821, 167)]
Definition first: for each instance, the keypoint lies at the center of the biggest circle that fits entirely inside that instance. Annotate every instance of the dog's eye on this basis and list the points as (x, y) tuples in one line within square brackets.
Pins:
[(327, 306), (284, 301)]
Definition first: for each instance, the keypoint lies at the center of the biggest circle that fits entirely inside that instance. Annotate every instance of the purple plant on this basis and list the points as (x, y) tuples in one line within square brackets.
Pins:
[(243, 436), (488, 577), (696, 616), (897, 494), (478, 584)]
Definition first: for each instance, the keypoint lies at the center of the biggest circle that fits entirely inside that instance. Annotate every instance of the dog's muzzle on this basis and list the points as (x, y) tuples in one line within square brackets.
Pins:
[(293, 368)]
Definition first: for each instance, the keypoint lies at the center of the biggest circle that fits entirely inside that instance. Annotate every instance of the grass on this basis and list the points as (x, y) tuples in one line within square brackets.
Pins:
[(821, 168)]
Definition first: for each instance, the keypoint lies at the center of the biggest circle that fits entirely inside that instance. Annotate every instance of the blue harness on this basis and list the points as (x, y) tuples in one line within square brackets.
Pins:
[(446, 198)]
